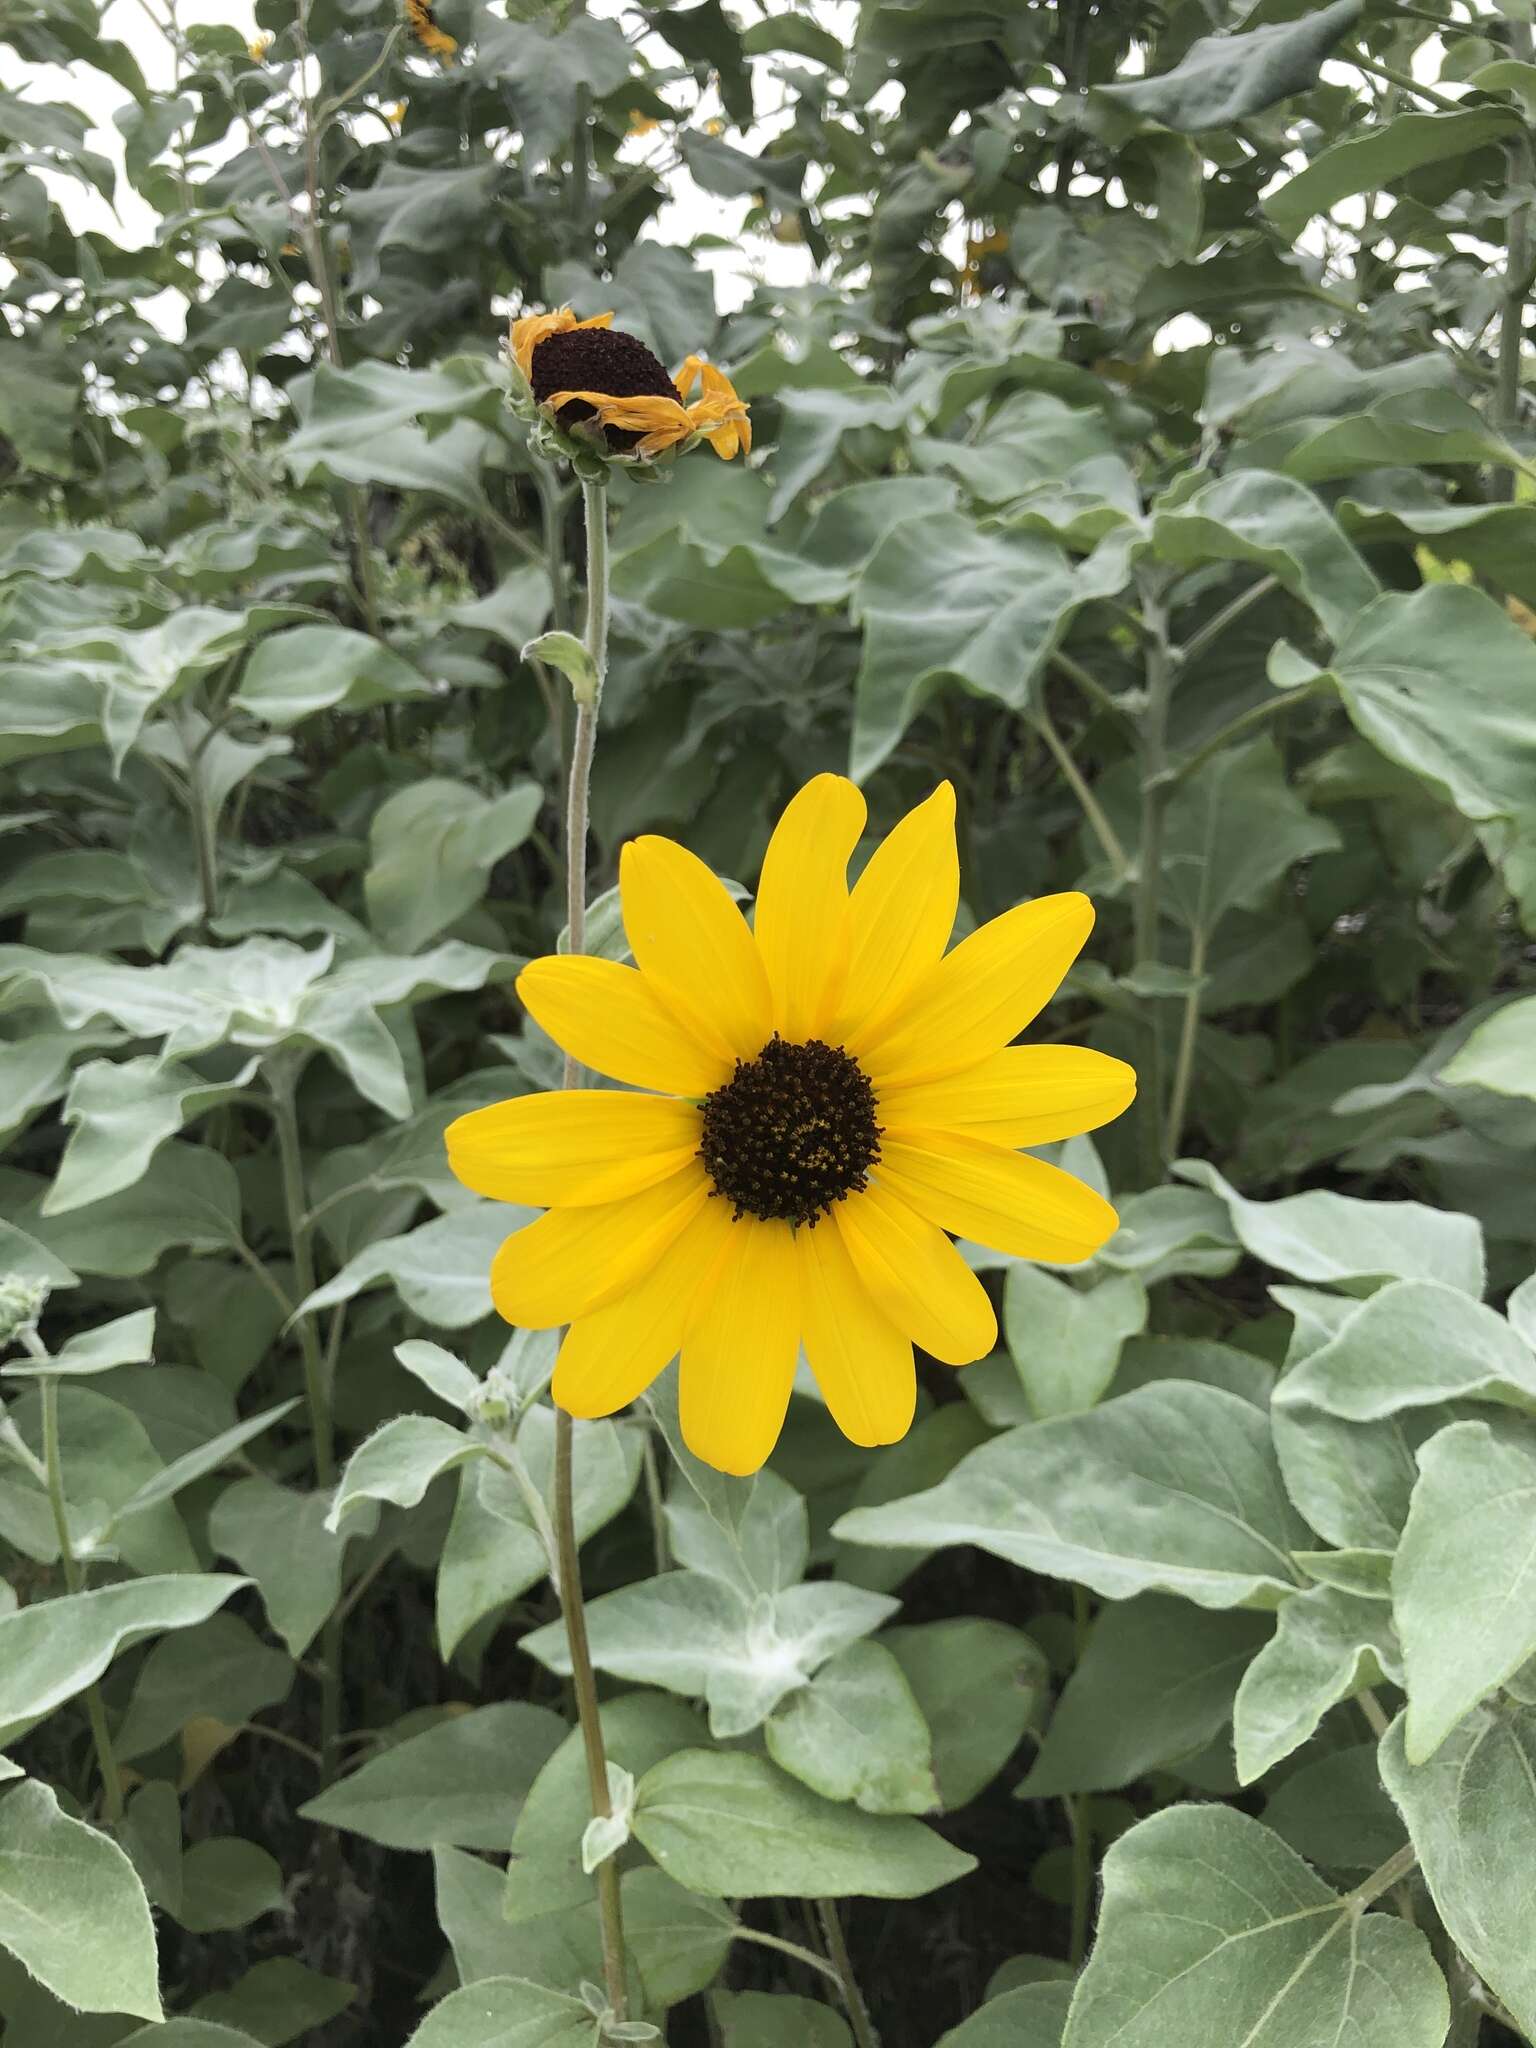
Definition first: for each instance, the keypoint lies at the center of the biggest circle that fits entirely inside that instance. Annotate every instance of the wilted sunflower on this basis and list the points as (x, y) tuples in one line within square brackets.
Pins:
[(827, 1094), (589, 370)]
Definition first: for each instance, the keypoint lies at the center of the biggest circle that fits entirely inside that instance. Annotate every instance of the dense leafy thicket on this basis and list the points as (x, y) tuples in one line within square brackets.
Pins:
[(1151, 457)]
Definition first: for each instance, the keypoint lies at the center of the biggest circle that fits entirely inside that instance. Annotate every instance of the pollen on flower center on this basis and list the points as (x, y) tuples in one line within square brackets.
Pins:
[(791, 1132), (597, 359)]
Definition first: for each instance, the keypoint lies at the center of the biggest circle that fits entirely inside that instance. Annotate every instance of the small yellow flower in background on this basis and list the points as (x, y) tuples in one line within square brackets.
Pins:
[(976, 250), (423, 23), (829, 1093), (258, 48), (396, 114), (642, 124), (589, 370), (714, 128)]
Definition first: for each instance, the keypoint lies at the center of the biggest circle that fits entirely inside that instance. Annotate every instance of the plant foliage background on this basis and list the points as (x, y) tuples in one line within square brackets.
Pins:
[(1153, 459)]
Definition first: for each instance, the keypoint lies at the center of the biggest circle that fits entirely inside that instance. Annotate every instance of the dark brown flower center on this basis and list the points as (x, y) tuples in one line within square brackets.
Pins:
[(791, 1132), (597, 359)]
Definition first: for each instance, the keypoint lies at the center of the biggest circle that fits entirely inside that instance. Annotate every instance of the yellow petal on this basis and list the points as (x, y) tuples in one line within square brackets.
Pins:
[(608, 1017), (982, 994), (637, 415), (694, 948), (1023, 1095), (573, 1145), (740, 1347), (802, 904), (1007, 1200), (610, 1357), (862, 1362), (575, 1260), (901, 913), (916, 1276)]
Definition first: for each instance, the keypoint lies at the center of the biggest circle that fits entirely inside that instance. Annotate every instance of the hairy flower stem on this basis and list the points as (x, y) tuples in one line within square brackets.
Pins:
[(74, 1575), (1155, 790), (317, 1386), (859, 2022), (568, 1559), (1189, 1032)]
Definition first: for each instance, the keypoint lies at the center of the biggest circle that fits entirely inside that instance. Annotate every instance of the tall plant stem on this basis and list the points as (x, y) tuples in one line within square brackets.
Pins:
[(859, 2022), (1161, 672), (317, 1383), (1092, 810), (1184, 1064), (74, 1578), (568, 1557)]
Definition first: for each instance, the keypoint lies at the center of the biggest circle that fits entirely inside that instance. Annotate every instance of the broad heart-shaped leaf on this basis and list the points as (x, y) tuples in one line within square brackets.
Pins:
[(1410, 1345), (942, 597), (1183, 1665), (433, 846), (400, 1461), (1471, 1813), (1353, 1480), (305, 669), (1222, 79), (769, 2019), (441, 1270), (505, 2012), (56, 1648), (1464, 1578), (1231, 832), (1066, 1340), (1173, 1488), (1023, 2016), (72, 1910), (1442, 680), (1372, 159), (277, 2001), (698, 1637), (462, 1782), (1253, 515), (856, 1732), (558, 1944), (678, 1938), (1212, 1930), (544, 74), (189, 1195), (751, 1534), (1500, 1054), (734, 1826), (282, 1539), (493, 1551), (1340, 1241), (1327, 1646), (978, 1684)]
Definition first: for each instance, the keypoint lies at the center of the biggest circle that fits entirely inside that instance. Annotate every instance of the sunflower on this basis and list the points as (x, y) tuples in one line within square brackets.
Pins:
[(589, 370), (823, 1096)]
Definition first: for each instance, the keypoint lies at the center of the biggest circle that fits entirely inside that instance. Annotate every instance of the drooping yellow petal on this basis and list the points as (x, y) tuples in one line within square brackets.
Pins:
[(609, 1018), (1003, 1199), (574, 1260), (718, 414), (740, 1347), (532, 328), (862, 1362), (901, 913), (801, 920), (982, 994), (1023, 1095), (573, 1145), (610, 1357), (916, 1276), (661, 420), (694, 947)]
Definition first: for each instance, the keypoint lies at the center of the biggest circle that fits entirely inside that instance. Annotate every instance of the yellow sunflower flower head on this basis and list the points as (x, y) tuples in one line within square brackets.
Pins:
[(606, 387), (977, 250), (822, 1097), (642, 124), (423, 25)]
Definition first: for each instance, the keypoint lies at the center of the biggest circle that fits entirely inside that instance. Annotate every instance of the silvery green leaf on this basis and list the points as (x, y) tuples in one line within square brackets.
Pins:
[(72, 1909), (441, 1269), (283, 1539), (1257, 1948), (1066, 1340), (432, 846), (227, 1883), (127, 1340), (121, 1111), (1173, 1489), (218, 1668), (1327, 1647), (978, 1685), (505, 2012), (400, 1461), (856, 1732), (1411, 1345)]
